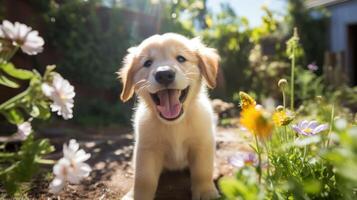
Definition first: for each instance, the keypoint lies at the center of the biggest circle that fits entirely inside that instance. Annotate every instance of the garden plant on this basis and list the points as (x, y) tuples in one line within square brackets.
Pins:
[(296, 155), (43, 94)]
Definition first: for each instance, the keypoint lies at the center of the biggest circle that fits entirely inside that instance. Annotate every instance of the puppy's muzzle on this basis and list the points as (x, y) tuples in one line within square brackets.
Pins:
[(165, 75)]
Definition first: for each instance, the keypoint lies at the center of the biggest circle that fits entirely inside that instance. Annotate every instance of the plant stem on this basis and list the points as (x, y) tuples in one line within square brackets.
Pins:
[(292, 80), (284, 98), (303, 159), (7, 104), (259, 159), (7, 155), (45, 161), (268, 165), (331, 122), (12, 53)]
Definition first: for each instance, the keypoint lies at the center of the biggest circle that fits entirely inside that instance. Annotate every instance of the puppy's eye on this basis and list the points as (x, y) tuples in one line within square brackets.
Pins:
[(147, 63), (181, 59)]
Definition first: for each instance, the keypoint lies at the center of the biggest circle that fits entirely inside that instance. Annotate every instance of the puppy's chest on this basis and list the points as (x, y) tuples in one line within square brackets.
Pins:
[(176, 155)]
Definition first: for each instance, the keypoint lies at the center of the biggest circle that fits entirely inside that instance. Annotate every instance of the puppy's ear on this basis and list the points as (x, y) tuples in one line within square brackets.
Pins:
[(208, 62), (126, 75)]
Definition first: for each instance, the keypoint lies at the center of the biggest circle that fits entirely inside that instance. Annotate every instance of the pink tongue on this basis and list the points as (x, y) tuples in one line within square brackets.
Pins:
[(170, 105)]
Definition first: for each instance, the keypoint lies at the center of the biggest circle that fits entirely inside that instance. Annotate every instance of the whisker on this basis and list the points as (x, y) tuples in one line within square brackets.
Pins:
[(192, 73), (189, 79), (143, 86), (140, 83)]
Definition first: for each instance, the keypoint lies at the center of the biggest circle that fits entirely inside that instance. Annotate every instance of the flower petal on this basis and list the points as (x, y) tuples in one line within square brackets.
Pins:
[(236, 161), (47, 89), (82, 156), (297, 129), (74, 178), (83, 169), (303, 124), (56, 185), (312, 124), (320, 128)]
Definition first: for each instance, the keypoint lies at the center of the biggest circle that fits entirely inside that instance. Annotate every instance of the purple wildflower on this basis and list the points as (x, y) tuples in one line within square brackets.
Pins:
[(309, 127), (241, 159), (312, 67)]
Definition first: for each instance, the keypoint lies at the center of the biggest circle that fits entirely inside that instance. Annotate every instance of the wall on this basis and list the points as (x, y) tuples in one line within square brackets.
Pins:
[(343, 15)]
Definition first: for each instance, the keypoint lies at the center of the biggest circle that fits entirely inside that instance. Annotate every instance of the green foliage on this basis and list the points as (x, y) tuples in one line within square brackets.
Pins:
[(269, 26), (17, 166), (30, 102), (23, 163), (265, 70), (307, 84), (344, 159), (91, 42), (301, 167), (243, 186), (97, 112), (8, 73), (313, 25), (317, 166), (229, 36)]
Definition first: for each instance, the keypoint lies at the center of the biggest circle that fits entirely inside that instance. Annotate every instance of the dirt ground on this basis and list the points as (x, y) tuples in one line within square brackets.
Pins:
[(112, 176)]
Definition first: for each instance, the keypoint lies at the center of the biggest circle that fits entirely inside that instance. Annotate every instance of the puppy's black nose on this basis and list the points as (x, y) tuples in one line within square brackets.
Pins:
[(165, 75)]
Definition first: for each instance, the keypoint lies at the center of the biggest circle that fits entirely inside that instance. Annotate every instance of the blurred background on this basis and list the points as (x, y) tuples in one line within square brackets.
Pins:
[(87, 40)]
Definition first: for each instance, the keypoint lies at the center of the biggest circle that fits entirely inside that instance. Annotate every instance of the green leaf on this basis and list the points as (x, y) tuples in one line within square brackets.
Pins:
[(45, 147), (44, 111), (49, 69), (23, 170), (7, 82), (312, 186), (14, 116), (35, 111), (230, 187), (11, 70), (233, 188)]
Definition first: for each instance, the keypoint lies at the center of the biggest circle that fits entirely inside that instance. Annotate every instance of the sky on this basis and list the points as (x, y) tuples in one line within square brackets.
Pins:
[(249, 8)]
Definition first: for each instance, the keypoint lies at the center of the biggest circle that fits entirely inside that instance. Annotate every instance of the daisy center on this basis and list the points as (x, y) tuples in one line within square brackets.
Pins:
[(307, 130)]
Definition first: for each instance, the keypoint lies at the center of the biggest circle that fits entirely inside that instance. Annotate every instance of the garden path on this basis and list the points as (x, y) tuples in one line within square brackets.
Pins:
[(112, 174)]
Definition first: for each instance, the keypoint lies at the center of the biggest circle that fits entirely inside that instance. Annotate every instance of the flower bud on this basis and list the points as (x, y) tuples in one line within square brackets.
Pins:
[(246, 101), (319, 99), (282, 83), (280, 108)]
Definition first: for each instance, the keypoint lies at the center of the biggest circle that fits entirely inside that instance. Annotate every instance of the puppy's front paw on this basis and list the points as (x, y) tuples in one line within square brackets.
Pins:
[(207, 192)]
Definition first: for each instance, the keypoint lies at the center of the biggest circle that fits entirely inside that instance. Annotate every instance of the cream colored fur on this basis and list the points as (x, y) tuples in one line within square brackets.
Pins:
[(185, 142)]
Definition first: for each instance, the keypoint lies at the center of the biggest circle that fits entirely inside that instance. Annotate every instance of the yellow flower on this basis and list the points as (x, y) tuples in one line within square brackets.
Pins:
[(256, 121), (246, 101), (282, 118)]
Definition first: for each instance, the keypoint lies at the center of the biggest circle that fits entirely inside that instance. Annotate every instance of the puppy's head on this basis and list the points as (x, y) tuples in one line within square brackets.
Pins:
[(166, 71)]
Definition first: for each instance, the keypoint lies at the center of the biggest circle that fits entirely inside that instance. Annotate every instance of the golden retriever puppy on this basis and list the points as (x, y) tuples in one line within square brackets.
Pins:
[(173, 121)]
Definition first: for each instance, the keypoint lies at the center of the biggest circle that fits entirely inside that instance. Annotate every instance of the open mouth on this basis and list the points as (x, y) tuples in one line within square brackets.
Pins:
[(169, 102)]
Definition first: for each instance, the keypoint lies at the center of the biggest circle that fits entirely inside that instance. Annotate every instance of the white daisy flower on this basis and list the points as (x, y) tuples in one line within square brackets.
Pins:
[(23, 130), (23, 36), (71, 168), (61, 92), (76, 157), (60, 170)]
